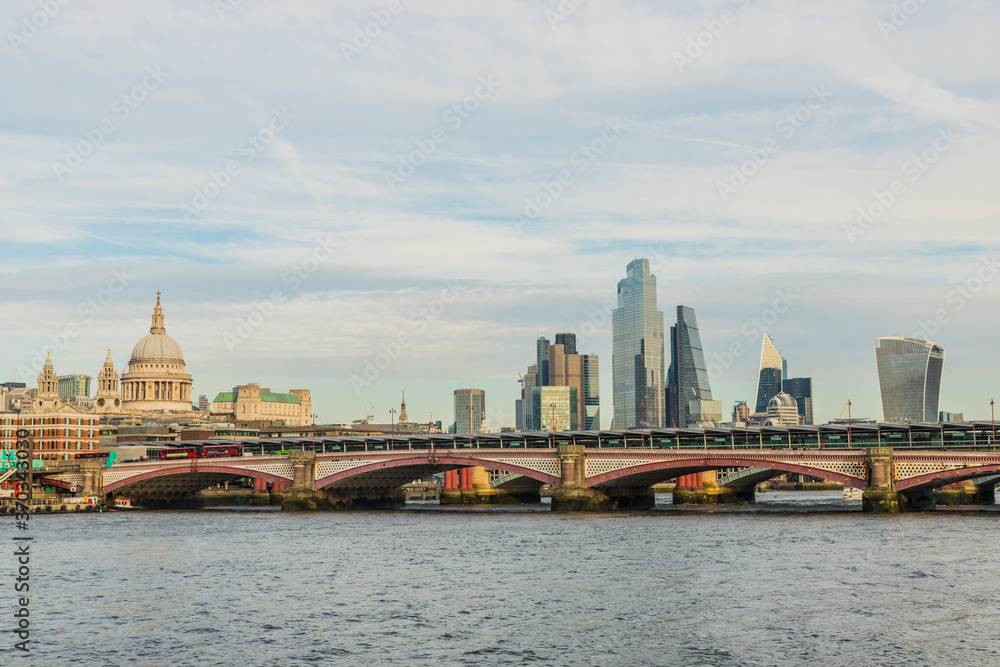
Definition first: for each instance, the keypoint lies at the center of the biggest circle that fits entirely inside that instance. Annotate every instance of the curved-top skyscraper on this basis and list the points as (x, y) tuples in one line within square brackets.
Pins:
[(909, 378), (637, 360)]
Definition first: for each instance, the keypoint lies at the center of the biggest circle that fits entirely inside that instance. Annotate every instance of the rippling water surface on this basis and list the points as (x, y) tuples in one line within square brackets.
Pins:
[(798, 578)]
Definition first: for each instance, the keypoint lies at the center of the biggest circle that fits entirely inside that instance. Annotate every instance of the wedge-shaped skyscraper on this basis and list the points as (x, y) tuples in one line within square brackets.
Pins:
[(909, 378), (689, 394), (769, 377)]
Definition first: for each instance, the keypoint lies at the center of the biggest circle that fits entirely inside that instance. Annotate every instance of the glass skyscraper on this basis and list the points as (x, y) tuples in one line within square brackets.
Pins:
[(909, 378), (689, 394), (466, 420), (801, 389), (769, 377), (637, 359), (591, 393), (554, 408)]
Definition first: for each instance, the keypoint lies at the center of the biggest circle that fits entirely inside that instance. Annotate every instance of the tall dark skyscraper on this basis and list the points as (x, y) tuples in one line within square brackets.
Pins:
[(689, 393), (637, 359), (769, 377), (542, 362), (568, 341), (801, 389), (909, 378), (591, 393)]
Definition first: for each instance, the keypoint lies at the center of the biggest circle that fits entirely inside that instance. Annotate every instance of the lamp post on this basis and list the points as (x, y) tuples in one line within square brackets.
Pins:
[(994, 420), (392, 428), (552, 425), (312, 418), (746, 428), (469, 408), (642, 424), (849, 445)]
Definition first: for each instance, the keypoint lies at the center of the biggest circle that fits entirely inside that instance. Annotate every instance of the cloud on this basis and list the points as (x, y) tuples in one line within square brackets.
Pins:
[(654, 190)]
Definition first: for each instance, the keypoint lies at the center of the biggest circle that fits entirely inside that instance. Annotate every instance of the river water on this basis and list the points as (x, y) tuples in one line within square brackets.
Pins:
[(801, 577)]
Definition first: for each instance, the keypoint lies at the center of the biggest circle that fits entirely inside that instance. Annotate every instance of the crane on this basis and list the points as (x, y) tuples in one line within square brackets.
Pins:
[(364, 403)]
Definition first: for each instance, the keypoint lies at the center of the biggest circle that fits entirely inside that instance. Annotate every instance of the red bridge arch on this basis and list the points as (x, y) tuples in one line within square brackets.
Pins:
[(944, 477), (443, 461), (678, 467), (188, 470)]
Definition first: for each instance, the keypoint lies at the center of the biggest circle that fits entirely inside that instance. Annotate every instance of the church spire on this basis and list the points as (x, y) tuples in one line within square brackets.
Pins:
[(157, 326), (402, 410)]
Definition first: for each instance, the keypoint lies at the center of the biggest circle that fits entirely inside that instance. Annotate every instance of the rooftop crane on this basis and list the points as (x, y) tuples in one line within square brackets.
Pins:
[(364, 403)]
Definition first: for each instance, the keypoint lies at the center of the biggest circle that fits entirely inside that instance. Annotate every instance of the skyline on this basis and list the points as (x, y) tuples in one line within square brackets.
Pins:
[(492, 413), (472, 254)]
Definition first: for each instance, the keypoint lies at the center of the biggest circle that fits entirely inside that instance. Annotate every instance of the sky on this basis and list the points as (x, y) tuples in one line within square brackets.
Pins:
[(414, 191)]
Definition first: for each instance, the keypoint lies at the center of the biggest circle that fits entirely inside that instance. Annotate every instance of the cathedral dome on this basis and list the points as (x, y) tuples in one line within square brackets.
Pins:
[(157, 345)]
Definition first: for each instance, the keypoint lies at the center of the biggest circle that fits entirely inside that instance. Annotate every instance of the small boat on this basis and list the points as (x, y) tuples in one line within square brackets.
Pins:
[(850, 493), (126, 504)]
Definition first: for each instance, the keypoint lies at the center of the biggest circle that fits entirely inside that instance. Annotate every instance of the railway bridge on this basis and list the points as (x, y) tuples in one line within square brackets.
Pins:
[(586, 471)]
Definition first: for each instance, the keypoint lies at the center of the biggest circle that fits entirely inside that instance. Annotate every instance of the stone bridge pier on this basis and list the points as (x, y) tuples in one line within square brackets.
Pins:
[(573, 494), (881, 496), (303, 494), (93, 476)]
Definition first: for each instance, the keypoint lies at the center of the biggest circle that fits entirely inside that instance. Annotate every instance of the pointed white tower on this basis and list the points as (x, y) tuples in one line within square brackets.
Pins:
[(47, 396), (108, 398)]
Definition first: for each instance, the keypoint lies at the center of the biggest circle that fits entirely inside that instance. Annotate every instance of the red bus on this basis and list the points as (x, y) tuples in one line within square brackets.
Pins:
[(195, 452), (209, 451), (171, 453)]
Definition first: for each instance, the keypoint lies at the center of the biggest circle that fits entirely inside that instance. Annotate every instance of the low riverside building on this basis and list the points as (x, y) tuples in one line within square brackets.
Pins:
[(252, 403), (58, 436)]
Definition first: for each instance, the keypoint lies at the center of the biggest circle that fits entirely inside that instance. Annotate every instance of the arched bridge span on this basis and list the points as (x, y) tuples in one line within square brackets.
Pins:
[(848, 469), (392, 471)]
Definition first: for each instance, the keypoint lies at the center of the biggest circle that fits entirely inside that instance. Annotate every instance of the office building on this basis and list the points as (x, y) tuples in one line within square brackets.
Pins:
[(203, 403), (74, 386), (769, 377), (741, 413), (522, 406), (555, 408), (782, 410), (637, 362), (591, 393), (568, 341), (560, 365), (542, 362), (909, 378), (689, 399), (253, 403), (801, 389), (57, 435), (470, 410)]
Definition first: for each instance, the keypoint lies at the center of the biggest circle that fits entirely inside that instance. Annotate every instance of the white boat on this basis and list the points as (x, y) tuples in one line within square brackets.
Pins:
[(850, 493), (123, 503)]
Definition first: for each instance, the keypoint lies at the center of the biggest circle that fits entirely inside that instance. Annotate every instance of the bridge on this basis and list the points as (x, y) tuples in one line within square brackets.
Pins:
[(898, 467)]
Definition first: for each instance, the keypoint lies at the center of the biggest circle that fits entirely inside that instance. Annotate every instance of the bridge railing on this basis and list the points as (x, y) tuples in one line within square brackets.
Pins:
[(955, 436)]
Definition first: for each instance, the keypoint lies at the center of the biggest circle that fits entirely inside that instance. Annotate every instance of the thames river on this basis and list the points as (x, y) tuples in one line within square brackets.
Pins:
[(799, 578)]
